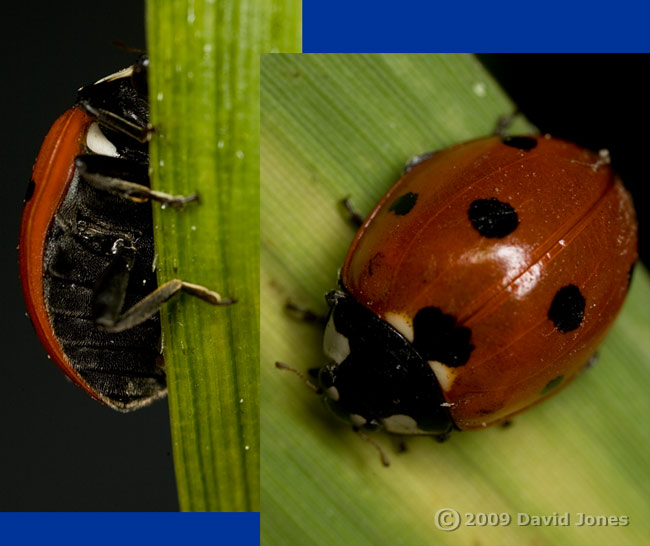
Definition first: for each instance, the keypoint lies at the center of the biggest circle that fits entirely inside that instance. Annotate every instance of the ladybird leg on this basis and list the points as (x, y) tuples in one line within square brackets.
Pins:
[(352, 214), (382, 456), (151, 304), (139, 77), (504, 123), (440, 438), (128, 179), (400, 444), (118, 123), (416, 160), (109, 294), (302, 376), (305, 315), (110, 290), (593, 360)]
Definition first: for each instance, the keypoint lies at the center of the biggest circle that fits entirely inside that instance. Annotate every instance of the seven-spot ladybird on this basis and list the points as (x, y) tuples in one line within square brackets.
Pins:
[(86, 245), (480, 285)]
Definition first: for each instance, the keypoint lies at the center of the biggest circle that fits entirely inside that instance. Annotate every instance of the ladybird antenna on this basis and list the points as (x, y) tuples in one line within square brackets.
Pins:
[(302, 376), (125, 47), (304, 315), (382, 456)]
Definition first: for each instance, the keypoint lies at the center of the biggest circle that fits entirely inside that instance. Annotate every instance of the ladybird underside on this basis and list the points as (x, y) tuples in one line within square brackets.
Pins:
[(122, 368)]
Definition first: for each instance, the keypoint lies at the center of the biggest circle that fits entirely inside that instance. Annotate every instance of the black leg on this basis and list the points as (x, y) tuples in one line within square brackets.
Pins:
[(382, 456), (352, 214), (504, 123), (400, 445), (313, 386), (440, 438), (593, 360), (416, 160), (109, 119), (305, 315), (110, 292), (128, 179), (139, 77)]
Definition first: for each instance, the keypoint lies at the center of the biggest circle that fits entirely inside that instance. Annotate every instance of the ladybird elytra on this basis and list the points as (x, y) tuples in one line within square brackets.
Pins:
[(493, 269), (53, 169)]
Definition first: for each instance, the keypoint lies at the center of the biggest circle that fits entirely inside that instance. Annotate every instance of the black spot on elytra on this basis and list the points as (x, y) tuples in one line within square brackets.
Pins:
[(30, 191), (520, 142), (493, 218), (551, 385), (567, 309), (436, 337), (403, 205)]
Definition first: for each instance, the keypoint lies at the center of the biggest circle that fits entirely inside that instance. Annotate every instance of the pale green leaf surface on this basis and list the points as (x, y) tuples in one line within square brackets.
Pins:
[(204, 87), (338, 125)]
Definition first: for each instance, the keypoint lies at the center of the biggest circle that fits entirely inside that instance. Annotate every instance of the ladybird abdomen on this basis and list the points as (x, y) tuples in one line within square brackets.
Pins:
[(123, 369)]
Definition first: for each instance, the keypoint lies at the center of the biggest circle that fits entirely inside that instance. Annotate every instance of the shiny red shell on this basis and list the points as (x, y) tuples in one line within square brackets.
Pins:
[(51, 176), (576, 226)]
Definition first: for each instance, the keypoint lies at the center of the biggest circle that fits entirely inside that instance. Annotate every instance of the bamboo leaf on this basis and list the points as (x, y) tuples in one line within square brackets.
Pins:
[(204, 86), (337, 125)]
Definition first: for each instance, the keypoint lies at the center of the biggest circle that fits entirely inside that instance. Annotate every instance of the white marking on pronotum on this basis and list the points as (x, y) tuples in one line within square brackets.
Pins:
[(404, 325), (332, 393), (401, 424), (98, 143), (335, 345), (444, 374), (357, 420), (124, 73)]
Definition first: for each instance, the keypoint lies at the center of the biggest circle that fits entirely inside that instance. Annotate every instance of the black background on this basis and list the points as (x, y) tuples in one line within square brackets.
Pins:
[(63, 451)]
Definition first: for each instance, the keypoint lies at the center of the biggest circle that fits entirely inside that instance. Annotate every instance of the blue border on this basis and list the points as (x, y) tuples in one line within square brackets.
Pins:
[(475, 26), (125, 529)]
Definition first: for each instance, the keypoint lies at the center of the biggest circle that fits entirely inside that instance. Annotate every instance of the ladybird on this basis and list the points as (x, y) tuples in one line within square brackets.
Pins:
[(480, 285), (86, 245)]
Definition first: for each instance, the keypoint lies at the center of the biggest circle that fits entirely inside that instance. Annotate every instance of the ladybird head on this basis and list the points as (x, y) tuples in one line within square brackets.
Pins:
[(375, 377), (341, 408)]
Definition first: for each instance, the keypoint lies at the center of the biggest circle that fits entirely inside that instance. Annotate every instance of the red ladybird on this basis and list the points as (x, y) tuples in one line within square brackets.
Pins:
[(480, 285), (86, 245)]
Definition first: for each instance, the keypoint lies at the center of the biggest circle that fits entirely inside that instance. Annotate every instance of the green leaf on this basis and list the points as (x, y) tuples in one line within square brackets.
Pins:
[(338, 125), (204, 88)]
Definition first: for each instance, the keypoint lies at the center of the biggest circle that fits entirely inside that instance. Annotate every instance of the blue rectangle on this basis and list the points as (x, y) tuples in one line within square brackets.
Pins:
[(410, 26), (125, 529)]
